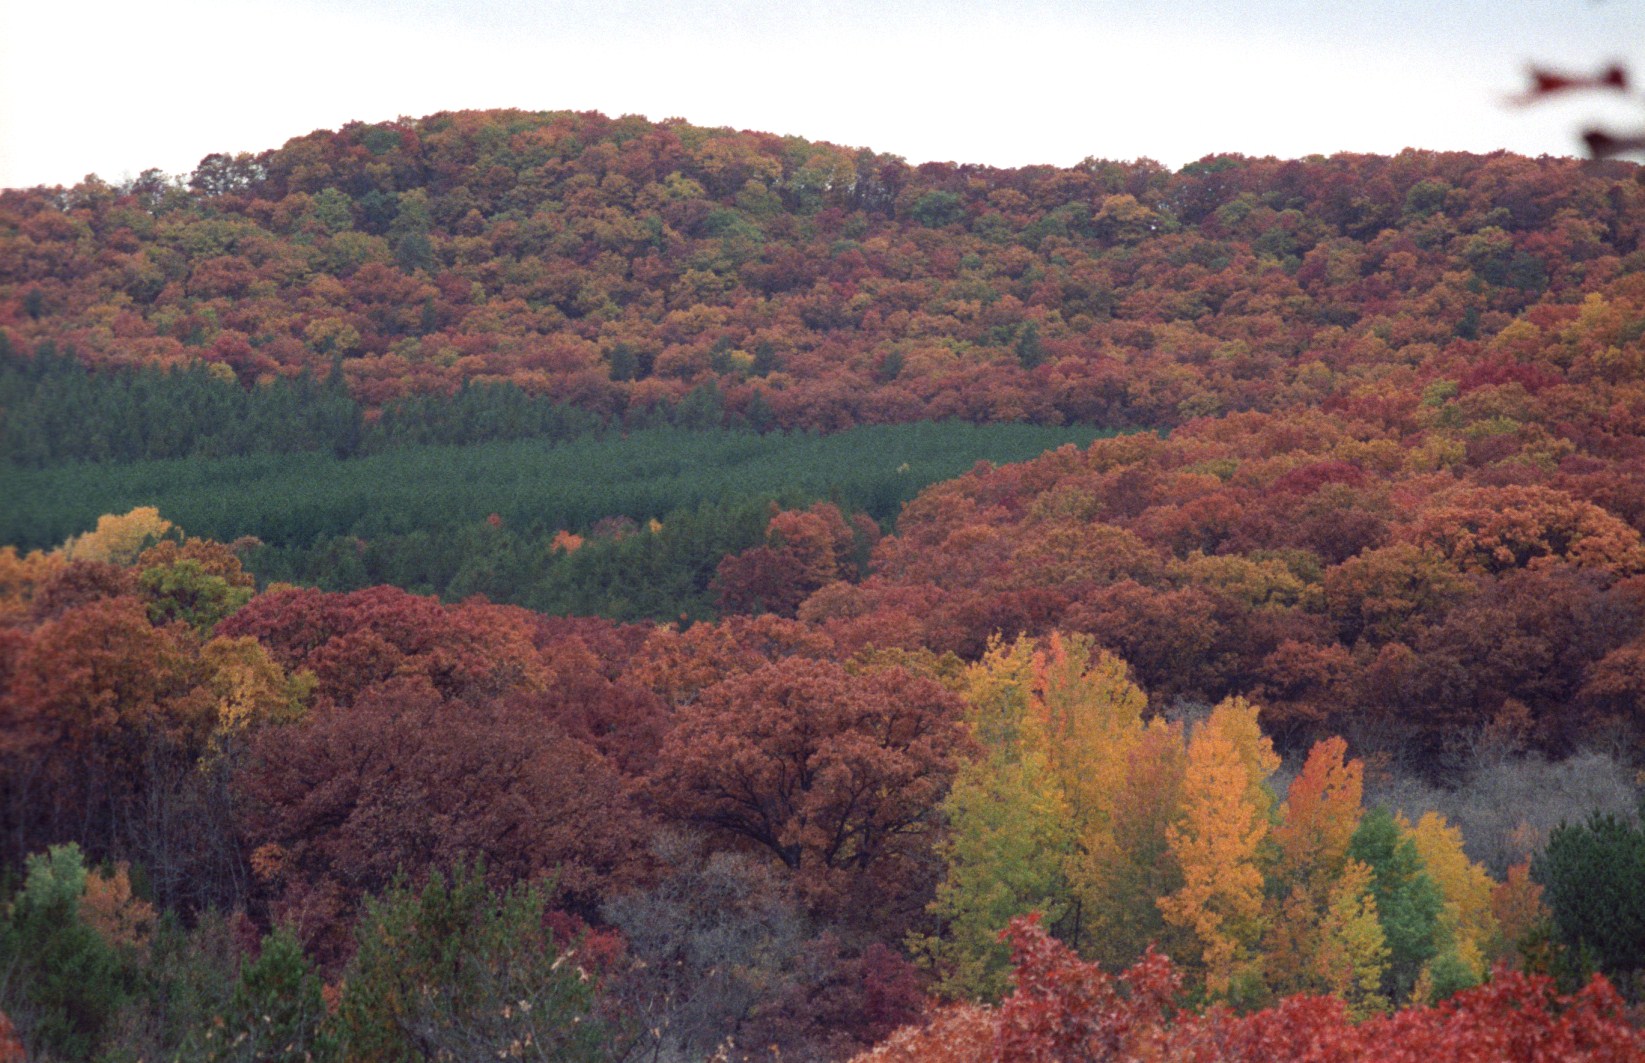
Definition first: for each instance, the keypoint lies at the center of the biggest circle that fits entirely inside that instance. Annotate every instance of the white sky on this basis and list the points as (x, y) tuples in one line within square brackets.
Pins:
[(114, 87)]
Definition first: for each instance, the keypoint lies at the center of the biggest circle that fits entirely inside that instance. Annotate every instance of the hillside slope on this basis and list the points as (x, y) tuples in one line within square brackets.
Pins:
[(618, 265)]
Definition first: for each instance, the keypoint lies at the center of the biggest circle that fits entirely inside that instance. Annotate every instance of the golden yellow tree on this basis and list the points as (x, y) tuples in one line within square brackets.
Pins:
[(1352, 953), (250, 688), (1091, 715), (1310, 849), (1236, 719), (1466, 887), (1126, 870), (1092, 718), (118, 539), (999, 697), (1216, 843)]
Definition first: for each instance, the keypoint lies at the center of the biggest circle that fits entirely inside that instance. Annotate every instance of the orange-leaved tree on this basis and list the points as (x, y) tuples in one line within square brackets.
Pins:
[(1218, 844)]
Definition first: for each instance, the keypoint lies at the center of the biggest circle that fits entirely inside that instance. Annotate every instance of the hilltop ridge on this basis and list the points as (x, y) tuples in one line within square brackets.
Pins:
[(620, 265)]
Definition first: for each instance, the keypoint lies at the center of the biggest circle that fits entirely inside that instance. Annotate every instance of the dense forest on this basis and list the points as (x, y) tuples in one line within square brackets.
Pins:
[(618, 266), (536, 585)]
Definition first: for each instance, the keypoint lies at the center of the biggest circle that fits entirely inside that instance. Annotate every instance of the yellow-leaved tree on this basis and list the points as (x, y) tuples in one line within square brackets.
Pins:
[(1310, 853), (250, 689), (1351, 953), (1125, 871), (1237, 719), (1466, 887), (1010, 832), (1218, 842), (118, 539), (1091, 714), (1060, 724)]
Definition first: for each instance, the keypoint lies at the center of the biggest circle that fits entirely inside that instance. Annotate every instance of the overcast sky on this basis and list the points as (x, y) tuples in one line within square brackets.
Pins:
[(114, 87)]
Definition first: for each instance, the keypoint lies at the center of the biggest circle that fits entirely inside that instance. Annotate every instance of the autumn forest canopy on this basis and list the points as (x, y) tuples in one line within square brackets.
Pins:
[(539, 585)]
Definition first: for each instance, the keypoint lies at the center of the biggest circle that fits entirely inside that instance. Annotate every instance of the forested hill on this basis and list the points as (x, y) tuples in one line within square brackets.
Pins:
[(620, 265), (942, 775)]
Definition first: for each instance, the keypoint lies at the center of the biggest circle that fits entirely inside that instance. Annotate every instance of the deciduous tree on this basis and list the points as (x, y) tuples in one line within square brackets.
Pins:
[(835, 775), (405, 777), (1217, 843)]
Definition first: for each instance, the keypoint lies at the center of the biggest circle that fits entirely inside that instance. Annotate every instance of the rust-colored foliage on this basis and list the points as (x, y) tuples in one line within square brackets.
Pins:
[(1504, 594), (1066, 1010), (958, 1033), (406, 778), (804, 550), (1492, 529), (352, 642), (76, 583), (108, 907), (1321, 811), (98, 681), (21, 576), (680, 665), (11, 1046), (103, 721), (835, 775), (1516, 902), (1390, 382)]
